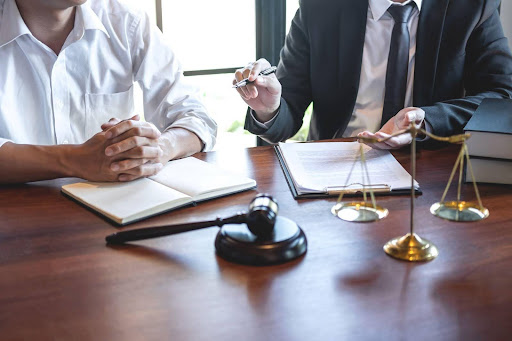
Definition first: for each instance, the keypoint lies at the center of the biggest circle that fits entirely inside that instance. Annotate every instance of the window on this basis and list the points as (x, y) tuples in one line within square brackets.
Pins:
[(291, 8), (214, 38), (210, 34)]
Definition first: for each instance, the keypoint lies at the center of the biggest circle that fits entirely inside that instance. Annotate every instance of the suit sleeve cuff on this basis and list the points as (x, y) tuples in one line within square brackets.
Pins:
[(428, 128), (263, 125)]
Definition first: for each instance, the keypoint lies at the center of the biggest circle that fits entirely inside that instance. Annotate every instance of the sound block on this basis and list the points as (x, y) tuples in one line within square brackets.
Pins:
[(237, 244)]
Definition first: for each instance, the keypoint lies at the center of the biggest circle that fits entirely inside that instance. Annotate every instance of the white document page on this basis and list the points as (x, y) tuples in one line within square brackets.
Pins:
[(320, 166), (126, 201), (199, 179)]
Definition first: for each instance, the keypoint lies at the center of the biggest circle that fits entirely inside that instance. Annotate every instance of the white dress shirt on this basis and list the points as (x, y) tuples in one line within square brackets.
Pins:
[(367, 112), (48, 99), (369, 104)]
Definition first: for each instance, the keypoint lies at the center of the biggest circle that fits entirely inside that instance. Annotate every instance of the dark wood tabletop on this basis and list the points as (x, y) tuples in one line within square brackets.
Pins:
[(60, 281)]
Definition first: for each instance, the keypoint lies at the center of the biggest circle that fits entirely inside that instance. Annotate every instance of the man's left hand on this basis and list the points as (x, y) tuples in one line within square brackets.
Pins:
[(399, 122), (136, 143)]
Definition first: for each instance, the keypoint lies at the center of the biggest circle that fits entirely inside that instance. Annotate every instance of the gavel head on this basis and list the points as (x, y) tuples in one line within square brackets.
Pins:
[(262, 214)]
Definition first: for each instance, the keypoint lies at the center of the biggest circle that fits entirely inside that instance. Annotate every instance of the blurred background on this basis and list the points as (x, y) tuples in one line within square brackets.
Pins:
[(214, 38)]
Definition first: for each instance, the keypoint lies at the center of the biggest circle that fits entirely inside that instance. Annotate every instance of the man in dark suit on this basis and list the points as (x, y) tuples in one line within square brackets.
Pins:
[(347, 57)]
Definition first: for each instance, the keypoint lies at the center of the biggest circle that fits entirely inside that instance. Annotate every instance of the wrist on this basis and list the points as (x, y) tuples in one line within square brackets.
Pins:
[(179, 142), (167, 142), (265, 116), (67, 161)]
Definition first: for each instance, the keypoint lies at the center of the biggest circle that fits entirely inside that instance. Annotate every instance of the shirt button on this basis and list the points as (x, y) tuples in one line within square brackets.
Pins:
[(65, 142)]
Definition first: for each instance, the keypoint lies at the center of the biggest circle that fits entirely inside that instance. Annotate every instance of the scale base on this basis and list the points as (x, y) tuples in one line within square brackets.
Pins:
[(237, 244), (359, 211), (459, 211), (412, 248)]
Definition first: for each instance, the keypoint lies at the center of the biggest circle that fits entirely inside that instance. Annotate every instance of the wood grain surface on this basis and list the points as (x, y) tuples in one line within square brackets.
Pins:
[(59, 280)]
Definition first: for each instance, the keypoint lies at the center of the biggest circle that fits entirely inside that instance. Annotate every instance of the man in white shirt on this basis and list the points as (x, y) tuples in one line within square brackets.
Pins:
[(336, 56), (67, 69)]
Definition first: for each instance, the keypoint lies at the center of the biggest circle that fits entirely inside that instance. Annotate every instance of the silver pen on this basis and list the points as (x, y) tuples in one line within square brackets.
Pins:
[(265, 72)]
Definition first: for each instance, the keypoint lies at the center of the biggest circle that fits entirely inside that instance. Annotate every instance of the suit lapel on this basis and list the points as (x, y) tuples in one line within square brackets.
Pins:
[(351, 42), (428, 39)]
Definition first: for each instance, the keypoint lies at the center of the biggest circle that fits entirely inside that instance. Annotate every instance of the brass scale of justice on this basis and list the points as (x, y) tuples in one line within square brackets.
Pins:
[(411, 247)]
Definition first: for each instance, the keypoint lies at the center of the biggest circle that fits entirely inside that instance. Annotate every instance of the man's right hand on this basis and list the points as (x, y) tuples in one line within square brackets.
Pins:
[(264, 94), (132, 151), (90, 161)]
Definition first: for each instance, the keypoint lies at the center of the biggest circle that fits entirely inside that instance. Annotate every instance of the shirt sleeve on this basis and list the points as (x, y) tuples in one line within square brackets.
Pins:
[(170, 101), (3, 141)]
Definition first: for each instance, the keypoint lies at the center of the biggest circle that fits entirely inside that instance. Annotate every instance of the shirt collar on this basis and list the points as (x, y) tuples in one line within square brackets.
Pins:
[(89, 19), (379, 7), (12, 25)]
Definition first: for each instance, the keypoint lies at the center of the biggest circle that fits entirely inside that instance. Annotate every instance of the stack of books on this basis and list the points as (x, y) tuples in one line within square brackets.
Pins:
[(490, 145)]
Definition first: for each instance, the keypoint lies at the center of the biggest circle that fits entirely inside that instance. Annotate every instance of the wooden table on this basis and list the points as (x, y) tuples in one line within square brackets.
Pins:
[(59, 281)]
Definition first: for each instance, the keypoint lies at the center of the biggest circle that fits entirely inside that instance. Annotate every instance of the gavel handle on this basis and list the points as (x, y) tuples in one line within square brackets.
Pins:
[(160, 231)]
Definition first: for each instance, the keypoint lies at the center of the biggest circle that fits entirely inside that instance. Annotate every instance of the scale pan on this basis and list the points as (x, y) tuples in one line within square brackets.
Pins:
[(459, 211), (359, 211)]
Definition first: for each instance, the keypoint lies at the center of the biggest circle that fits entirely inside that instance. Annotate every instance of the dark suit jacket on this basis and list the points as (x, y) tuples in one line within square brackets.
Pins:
[(462, 57)]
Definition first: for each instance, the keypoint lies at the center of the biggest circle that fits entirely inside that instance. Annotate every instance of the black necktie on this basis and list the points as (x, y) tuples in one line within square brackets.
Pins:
[(398, 62)]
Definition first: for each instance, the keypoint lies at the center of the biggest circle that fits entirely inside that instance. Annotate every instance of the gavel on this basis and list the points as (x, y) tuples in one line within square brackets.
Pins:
[(260, 220)]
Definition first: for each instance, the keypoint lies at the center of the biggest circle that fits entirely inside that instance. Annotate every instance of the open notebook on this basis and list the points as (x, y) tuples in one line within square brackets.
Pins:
[(320, 169), (180, 183)]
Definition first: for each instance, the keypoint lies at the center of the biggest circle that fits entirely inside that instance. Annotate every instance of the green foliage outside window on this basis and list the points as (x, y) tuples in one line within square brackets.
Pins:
[(302, 134)]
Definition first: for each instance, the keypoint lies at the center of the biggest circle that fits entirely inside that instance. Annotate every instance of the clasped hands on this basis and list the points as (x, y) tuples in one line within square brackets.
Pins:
[(123, 151)]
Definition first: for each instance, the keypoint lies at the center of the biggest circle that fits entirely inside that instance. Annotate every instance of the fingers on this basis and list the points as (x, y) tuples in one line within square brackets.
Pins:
[(124, 165), (142, 152), (416, 115), (394, 142), (251, 72), (251, 90), (136, 128), (409, 115), (113, 121), (257, 67), (374, 145), (137, 162), (270, 83), (391, 143), (398, 141), (248, 91), (147, 131), (145, 170), (238, 77), (403, 119), (134, 146)]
